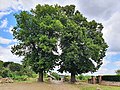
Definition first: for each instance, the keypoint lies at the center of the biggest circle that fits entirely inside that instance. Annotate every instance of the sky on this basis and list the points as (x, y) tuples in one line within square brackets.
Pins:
[(106, 12)]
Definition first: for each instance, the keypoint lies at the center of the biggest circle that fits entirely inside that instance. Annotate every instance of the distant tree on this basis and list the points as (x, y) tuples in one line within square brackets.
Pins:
[(82, 44), (1, 64), (6, 64), (118, 72), (15, 67)]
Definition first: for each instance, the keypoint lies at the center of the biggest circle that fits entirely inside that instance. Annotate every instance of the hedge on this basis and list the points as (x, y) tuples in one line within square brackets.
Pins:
[(115, 78)]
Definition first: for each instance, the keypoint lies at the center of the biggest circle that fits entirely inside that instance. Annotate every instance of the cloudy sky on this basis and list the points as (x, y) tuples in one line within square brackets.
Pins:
[(105, 11)]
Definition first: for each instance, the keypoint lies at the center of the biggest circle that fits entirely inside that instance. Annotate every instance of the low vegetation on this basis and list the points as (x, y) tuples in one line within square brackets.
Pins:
[(115, 78), (83, 77), (15, 71), (97, 87)]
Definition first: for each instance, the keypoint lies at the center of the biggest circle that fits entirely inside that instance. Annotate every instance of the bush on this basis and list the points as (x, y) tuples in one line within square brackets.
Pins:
[(20, 78), (66, 78), (56, 75), (5, 73), (115, 78), (82, 77)]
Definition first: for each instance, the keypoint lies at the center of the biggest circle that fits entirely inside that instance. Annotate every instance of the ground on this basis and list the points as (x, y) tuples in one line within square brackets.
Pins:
[(37, 86), (55, 85)]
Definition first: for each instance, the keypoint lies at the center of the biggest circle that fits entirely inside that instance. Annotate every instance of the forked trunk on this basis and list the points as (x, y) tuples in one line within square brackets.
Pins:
[(40, 79), (73, 80)]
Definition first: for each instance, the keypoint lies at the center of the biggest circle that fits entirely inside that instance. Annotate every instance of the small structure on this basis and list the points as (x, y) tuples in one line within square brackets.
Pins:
[(51, 77), (62, 77), (92, 80), (95, 80)]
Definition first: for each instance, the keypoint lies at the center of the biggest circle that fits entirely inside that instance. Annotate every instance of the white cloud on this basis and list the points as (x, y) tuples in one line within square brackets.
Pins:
[(9, 30), (27, 5), (105, 71), (6, 5), (98, 9), (5, 41), (3, 13), (117, 63), (6, 55), (4, 23), (111, 32)]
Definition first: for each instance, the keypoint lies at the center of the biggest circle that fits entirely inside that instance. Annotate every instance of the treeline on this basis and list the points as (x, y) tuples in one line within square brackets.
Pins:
[(15, 71)]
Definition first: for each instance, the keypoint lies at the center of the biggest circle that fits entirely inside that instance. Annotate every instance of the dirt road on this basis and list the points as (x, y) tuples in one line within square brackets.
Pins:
[(38, 86)]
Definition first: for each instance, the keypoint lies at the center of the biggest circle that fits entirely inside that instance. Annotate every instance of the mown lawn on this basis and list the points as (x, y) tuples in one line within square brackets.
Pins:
[(85, 86)]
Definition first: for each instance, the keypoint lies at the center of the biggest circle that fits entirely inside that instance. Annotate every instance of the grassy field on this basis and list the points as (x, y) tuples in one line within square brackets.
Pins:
[(85, 86), (53, 86)]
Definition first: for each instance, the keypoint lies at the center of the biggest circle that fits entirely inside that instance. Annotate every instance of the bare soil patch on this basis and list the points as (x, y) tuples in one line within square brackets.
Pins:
[(38, 86)]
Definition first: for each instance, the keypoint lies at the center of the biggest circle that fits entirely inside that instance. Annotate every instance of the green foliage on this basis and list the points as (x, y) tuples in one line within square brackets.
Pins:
[(82, 43), (118, 72), (56, 75), (20, 78), (39, 30), (115, 78), (37, 33), (15, 67), (6, 64), (5, 73), (1, 64), (66, 78), (82, 77), (16, 71)]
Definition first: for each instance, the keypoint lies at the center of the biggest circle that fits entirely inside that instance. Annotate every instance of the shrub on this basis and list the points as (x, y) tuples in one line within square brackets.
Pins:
[(82, 77), (1, 64), (66, 78), (115, 78), (20, 78), (56, 75), (5, 73)]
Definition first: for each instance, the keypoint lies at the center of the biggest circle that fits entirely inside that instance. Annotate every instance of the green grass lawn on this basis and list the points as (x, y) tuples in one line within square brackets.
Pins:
[(84, 86)]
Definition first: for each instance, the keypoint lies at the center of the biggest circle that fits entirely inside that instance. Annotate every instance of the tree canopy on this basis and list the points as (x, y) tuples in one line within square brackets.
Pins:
[(39, 30), (82, 44), (37, 33)]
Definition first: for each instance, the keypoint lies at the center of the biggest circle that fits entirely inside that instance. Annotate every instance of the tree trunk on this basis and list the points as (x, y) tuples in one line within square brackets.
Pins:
[(40, 79), (73, 80)]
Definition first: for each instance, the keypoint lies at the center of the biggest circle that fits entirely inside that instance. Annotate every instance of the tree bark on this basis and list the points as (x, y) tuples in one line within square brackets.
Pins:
[(40, 79), (73, 80)]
